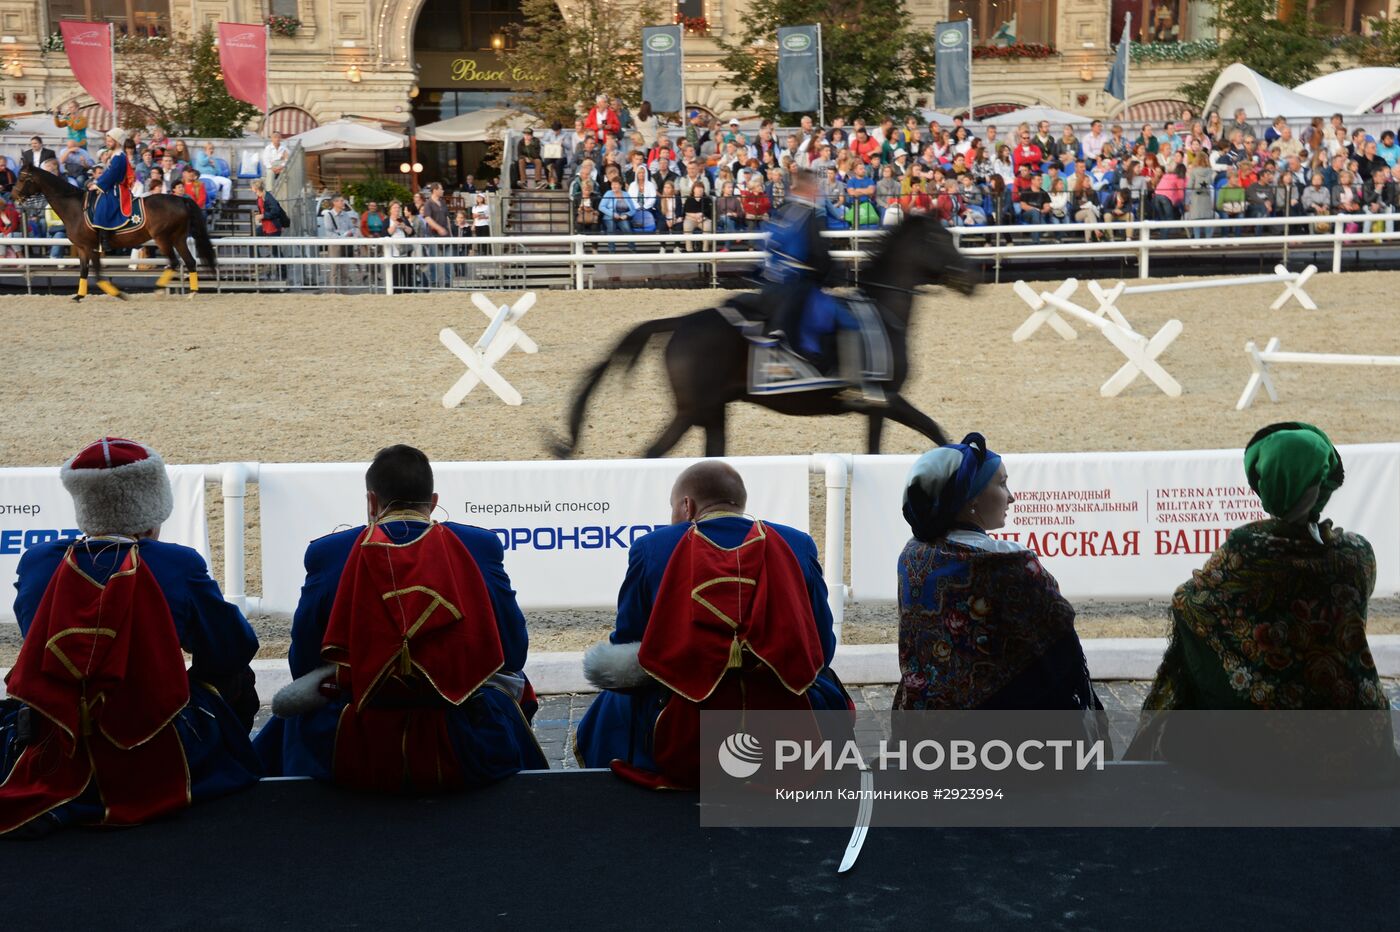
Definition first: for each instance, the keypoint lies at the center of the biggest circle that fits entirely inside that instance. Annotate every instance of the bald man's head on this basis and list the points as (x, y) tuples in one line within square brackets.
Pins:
[(710, 485)]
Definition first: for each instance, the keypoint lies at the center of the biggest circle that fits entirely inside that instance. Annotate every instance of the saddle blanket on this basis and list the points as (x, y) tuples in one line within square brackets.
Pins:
[(775, 368), (107, 217)]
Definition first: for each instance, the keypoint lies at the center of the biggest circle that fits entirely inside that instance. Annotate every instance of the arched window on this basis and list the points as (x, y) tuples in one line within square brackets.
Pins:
[(470, 26), (131, 17)]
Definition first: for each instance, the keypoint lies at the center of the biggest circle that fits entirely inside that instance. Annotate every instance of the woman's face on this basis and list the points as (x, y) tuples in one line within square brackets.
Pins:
[(988, 509)]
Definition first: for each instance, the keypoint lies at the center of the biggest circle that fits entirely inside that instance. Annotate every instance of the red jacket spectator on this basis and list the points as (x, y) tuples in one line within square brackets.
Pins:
[(866, 150), (656, 151), (604, 122), (1027, 154), (194, 190), (1022, 183), (755, 204)]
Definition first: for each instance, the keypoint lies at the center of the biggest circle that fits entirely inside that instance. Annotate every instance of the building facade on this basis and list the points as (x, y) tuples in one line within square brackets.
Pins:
[(392, 60)]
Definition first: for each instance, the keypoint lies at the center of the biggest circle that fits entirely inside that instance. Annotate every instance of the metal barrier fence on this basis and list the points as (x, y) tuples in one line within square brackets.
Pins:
[(396, 265)]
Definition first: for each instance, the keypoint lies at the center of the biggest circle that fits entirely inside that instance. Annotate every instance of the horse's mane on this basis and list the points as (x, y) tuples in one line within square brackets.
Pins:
[(889, 246)]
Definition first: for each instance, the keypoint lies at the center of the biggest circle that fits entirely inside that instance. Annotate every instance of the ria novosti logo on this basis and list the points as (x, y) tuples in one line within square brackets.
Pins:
[(740, 755)]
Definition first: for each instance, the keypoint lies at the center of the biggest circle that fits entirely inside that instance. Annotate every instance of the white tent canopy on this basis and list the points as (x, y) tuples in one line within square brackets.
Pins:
[(1034, 115), (347, 134), (1241, 87), (476, 126), (1357, 90)]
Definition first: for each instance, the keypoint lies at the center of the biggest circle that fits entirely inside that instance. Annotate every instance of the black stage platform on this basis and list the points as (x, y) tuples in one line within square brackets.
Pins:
[(585, 851)]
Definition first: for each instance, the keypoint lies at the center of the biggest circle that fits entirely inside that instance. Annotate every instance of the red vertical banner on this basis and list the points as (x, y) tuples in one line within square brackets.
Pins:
[(89, 48), (243, 57)]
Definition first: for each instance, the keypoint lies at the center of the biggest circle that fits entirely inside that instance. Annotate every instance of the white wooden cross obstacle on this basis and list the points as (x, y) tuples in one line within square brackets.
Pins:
[(501, 336), (1260, 360), (1141, 353), (1292, 288)]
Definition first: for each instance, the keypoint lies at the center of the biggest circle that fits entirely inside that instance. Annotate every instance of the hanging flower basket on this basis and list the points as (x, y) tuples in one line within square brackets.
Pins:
[(283, 25), (1017, 50), (693, 25)]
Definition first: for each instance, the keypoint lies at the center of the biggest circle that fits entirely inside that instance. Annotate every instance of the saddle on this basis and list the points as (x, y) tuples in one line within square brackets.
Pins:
[(137, 219), (776, 367)]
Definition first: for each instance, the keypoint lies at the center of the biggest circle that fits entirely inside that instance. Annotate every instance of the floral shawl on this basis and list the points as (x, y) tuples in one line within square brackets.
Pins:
[(985, 630), (1274, 620)]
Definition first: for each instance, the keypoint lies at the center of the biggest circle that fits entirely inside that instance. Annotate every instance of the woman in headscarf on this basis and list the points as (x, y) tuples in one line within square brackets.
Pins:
[(982, 625), (1276, 619)]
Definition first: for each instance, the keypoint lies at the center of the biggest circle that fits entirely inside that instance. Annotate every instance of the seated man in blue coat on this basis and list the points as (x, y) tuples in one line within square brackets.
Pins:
[(717, 611), (103, 724), (407, 648)]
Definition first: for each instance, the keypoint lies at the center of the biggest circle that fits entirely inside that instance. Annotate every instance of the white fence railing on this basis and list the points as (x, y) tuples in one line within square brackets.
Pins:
[(309, 261)]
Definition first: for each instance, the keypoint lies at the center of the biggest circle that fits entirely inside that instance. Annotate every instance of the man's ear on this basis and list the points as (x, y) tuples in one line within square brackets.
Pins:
[(434, 500)]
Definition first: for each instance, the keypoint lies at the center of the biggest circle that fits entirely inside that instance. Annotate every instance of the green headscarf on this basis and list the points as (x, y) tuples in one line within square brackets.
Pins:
[(1284, 461)]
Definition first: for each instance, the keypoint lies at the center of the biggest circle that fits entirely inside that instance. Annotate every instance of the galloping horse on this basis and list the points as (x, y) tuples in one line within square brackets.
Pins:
[(168, 221), (707, 357)]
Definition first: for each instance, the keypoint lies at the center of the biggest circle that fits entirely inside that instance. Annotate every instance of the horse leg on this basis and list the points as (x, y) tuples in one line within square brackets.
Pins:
[(669, 437), (183, 248), (82, 273), (874, 426), (902, 412), (107, 287), (714, 432), (167, 249)]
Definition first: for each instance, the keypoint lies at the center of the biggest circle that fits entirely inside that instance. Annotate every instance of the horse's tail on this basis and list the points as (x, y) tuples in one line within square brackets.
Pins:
[(626, 353), (199, 232)]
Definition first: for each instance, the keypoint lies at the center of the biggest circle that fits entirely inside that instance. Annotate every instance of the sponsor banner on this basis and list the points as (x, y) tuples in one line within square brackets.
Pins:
[(243, 58), (35, 508), (1124, 525), (952, 63), (89, 48), (799, 69), (662, 81), (566, 527)]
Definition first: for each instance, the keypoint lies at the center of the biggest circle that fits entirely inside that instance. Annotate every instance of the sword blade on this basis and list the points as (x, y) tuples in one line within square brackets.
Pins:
[(867, 783)]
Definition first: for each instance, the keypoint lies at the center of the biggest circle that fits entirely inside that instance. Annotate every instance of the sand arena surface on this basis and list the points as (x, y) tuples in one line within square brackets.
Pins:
[(305, 378)]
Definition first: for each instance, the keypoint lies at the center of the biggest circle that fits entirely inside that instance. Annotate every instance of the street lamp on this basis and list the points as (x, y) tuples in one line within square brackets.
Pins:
[(498, 42)]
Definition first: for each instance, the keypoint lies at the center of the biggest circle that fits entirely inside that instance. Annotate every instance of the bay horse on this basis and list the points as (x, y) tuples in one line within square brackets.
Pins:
[(169, 220), (707, 358)]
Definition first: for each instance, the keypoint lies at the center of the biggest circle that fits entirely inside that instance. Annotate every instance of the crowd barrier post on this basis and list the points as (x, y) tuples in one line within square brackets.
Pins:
[(836, 469), (234, 479), (1145, 251)]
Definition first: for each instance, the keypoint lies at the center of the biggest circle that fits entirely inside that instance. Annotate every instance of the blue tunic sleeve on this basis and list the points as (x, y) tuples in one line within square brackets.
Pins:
[(115, 173), (486, 549), (635, 598), (219, 639), (805, 549), (324, 562)]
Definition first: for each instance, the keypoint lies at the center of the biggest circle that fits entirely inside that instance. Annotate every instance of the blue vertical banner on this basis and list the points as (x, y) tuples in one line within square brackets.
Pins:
[(662, 81), (952, 63), (799, 69)]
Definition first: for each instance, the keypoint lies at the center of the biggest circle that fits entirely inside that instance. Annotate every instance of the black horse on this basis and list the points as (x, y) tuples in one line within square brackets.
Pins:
[(707, 358), (169, 220)]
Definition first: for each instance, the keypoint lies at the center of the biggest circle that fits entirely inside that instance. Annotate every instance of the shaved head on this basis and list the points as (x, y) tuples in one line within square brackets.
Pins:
[(707, 486)]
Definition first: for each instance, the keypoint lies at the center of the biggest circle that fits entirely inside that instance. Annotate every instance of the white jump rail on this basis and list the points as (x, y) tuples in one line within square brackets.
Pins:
[(1263, 378), (1292, 282), (1141, 353), (502, 335)]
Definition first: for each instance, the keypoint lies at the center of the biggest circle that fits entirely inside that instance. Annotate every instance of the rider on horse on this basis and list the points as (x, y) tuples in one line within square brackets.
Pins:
[(113, 208), (798, 266)]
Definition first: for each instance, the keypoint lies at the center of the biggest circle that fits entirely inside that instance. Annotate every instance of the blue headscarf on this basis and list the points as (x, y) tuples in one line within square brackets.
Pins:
[(943, 481)]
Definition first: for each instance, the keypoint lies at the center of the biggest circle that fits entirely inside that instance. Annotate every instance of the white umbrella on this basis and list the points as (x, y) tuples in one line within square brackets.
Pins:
[(347, 134), (1034, 115), (477, 126)]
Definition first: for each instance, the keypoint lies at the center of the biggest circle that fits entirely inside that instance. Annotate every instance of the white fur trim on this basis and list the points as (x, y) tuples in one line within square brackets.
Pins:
[(128, 499), (614, 666), (302, 694)]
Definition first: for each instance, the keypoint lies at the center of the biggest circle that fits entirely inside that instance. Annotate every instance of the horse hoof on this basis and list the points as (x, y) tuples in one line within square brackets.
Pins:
[(557, 447), (77, 298)]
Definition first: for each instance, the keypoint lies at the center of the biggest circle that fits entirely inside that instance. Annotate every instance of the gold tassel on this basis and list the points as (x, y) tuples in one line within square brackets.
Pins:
[(405, 661), (736, 656)]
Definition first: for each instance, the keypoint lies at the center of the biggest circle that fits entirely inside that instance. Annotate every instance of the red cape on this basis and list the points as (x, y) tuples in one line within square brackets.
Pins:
[(730, 629), (102, 665), (415, 622), (714, 603)]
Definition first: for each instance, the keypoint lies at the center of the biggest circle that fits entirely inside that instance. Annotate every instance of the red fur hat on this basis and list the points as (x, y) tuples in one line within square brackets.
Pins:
[(118, 487)]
